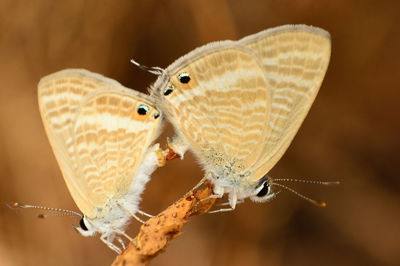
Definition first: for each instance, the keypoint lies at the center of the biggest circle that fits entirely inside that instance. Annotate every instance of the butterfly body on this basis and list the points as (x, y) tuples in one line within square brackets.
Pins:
[(238, 104), (101, 134)]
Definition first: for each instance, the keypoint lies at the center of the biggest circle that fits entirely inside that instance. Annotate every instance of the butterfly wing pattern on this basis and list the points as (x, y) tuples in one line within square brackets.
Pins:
[(221, 110), (295, 59), (238, 104), (101, 134)]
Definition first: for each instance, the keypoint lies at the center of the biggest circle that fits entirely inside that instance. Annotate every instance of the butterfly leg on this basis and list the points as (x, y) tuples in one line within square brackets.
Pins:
[(214, 196), (137, 218), (131, 213), (132, 240), (124, 234), (222, 210), (197, 186), (145, 214), (233, 200), (121, 242), (227, 203), (109, 244)]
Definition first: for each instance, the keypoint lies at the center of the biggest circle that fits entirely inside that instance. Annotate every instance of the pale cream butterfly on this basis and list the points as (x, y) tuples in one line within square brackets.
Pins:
[(101, 133), (239, 104)]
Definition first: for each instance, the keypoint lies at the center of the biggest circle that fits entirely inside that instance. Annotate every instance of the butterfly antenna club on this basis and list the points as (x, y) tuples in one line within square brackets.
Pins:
[(316, 203), (158, 71)]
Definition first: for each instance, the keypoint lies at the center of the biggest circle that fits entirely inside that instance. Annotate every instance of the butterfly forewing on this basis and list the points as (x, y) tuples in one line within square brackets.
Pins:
[(110, 139), (295, 59), (223, 108)]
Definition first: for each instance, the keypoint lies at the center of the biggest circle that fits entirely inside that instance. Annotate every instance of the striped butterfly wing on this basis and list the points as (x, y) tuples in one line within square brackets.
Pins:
[(295, 59), (60, 96), (221, 111), (112, 132)]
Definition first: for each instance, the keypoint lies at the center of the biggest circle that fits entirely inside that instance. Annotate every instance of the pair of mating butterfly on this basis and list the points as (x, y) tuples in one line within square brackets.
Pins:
[(236, 104)]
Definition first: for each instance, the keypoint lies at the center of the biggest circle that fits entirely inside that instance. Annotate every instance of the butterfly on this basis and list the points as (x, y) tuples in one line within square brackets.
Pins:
[(238, 104), (101, 133)]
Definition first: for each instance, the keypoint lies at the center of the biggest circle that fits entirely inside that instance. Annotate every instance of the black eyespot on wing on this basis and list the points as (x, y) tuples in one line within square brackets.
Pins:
[(184, 78), (264, 191), (168, 90), (83, 225), (142, 109), (156, 116)]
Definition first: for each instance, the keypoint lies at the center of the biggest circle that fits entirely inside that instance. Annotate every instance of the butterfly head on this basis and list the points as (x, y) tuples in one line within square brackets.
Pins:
[(85, 228), (263, 191)]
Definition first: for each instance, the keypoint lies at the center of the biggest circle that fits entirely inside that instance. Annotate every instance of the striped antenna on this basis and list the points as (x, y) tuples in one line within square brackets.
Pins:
[(317, 182), (317, 203), (61, 212)]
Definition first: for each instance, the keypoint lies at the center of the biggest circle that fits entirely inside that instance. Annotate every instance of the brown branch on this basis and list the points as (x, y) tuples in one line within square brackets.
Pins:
[(157, 232)]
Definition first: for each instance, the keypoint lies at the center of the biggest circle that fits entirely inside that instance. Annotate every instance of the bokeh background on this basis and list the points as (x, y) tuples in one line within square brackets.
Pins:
[(351, 133)]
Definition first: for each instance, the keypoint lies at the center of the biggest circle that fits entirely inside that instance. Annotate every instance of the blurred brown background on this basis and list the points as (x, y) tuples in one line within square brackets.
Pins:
[(351, 133)]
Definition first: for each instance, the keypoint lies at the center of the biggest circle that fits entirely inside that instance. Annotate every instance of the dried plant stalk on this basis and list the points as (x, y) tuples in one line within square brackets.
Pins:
[(157, 232)]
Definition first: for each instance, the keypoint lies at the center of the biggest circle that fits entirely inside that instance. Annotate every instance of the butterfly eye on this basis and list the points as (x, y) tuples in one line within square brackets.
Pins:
[(142, 109), (168, 90), (83, 225), (184, 78), (156, 116), (264, 191)]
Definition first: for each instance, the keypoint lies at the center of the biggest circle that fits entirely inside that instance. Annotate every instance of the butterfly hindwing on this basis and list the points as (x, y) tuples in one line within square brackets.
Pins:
[(79, 108), (295, 59), (222, 110), (59, 96), (112, 132)]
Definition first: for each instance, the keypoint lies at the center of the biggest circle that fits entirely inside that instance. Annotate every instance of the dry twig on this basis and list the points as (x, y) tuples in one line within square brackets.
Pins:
[(157, 232)]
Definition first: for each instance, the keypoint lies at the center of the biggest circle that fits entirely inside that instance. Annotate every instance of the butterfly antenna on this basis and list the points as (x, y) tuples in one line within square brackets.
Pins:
[(158, 71), (317, 182), (42, 215), (317, 203), (65, 212)]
